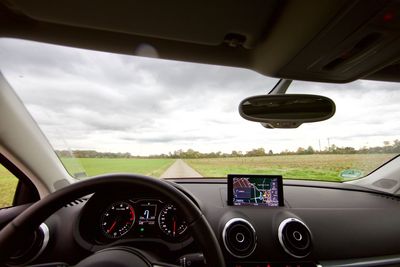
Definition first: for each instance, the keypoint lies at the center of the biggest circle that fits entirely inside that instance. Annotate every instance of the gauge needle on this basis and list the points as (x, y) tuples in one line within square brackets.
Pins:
[(173, 227), (112, 227)]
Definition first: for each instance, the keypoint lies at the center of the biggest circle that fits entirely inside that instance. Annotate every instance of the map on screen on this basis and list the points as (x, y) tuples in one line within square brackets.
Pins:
[(259, 190)]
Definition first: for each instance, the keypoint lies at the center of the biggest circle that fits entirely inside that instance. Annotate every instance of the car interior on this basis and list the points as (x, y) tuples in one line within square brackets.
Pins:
[(130, 219)]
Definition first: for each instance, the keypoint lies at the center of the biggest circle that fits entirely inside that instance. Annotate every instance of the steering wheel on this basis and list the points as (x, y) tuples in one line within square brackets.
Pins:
[(31, 218)]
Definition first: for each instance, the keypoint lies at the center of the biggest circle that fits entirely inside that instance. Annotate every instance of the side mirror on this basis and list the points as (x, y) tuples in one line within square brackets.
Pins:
[(286, 110)]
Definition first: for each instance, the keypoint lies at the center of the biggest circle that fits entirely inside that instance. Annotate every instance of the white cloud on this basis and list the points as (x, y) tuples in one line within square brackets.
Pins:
[(110, 102)]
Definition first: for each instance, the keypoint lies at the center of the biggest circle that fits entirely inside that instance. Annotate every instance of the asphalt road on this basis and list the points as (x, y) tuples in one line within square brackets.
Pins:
[(179, 169)]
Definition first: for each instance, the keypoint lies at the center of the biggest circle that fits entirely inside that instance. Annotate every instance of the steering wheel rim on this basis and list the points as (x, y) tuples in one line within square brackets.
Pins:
[(31, 218)]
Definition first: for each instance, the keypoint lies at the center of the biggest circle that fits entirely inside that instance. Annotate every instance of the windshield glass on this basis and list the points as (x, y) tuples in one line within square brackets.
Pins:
[(106, 113)]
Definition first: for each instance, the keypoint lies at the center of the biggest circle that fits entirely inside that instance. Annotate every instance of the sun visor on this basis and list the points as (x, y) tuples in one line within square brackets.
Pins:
[(354, 45)]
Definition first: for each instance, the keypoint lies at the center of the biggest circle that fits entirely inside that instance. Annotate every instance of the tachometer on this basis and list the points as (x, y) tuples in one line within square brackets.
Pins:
[(117, 219), (170, 222)]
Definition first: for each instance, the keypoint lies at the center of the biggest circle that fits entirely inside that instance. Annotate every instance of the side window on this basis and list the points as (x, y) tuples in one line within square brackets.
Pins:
[(8, 186)]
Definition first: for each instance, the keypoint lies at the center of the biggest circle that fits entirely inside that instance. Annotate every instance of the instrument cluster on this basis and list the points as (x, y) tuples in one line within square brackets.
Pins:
[(142, 218), (107, 220)]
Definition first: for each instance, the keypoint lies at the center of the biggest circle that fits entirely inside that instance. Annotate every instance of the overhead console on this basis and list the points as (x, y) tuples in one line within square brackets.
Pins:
[(361, 39)]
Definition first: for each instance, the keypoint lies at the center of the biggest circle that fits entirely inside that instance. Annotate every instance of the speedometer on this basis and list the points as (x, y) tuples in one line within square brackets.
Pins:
[(170, 222), (117, 219)]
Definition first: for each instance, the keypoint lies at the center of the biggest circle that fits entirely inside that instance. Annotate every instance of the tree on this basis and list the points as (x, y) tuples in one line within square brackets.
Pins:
[(234, 153), (309, 150), (300, 150), (257, 152)]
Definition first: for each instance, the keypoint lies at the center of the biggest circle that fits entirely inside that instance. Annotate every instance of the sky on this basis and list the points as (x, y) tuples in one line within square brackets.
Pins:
[(107, 102)]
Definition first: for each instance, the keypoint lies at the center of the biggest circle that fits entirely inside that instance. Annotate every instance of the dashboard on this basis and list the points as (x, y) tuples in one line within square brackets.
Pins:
[(319, 224), (339, 225)]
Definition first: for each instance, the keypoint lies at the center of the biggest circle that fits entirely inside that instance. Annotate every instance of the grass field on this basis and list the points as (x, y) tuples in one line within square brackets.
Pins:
[(150, 167), (95, 166), (8, 183), (317, 167), (313, 167)]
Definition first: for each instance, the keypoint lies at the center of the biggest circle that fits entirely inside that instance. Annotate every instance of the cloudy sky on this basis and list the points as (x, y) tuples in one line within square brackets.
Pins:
[(93, 100)]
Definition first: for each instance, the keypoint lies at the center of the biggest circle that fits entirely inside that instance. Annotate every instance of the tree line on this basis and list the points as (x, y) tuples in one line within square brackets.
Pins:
[(387, 147)]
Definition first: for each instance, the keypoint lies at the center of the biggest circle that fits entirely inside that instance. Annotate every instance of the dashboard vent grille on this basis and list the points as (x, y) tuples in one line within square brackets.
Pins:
[(75, 202), (390, 197), (295, 238), (239, 237)]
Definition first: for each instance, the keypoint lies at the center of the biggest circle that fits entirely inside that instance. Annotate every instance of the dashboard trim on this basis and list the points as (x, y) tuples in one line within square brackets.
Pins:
[(363, 262), (46, 238)]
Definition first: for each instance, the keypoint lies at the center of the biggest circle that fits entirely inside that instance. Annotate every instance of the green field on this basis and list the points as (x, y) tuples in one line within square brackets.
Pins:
[(96, 166), (92, 167), (8, 184), (315, 167), (312, 167)]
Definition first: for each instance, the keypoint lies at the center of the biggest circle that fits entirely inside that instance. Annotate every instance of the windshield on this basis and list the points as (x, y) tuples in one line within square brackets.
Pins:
[(106, 113)]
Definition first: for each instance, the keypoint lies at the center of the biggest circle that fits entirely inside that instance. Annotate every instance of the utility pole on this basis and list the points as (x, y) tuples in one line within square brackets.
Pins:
[(319, 143), (329, 145)]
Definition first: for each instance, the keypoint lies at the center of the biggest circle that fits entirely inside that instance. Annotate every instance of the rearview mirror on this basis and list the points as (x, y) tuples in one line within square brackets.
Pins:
[(286, 110)]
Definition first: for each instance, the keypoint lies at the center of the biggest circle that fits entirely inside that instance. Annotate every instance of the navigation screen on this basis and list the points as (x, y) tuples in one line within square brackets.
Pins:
[(255, 190)]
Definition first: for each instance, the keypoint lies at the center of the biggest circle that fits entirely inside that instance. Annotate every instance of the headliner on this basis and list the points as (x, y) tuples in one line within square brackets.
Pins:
[(326, 41)]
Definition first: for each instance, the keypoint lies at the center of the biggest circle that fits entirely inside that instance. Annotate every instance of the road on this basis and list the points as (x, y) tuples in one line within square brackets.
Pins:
[(179, 169)]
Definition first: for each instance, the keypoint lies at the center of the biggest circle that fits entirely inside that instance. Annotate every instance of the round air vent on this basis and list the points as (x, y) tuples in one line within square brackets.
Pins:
[(239, 237), (295, 237), (33, 246)]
